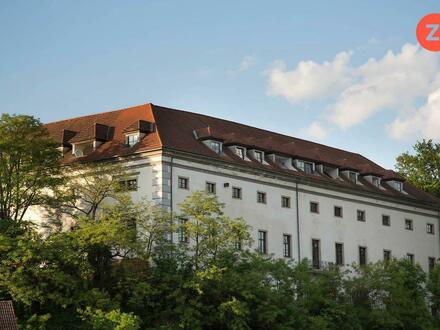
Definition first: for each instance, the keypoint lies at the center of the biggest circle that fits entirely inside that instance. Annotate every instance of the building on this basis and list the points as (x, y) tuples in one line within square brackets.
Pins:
[(8, 321), (302, 199)]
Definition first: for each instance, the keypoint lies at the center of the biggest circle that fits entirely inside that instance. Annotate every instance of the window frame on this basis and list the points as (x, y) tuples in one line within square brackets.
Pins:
[(132, 139), (387, 255), (339, 260), (340, 209), (263, 200), (388, 222), (409, 224), (430, 228), (182, 235), (262, 241), (181, 179), (287, 245), (217, 151), (239, 196), (431, 266), (316, 259), (350, 173), (365, 255), (285, 205), (364, 216), (411, 258), (260, 157), (317, 207), (242, 153), (211, 184)]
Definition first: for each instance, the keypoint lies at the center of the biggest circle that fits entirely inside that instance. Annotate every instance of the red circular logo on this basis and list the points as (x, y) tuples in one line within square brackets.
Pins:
[(428, 32)]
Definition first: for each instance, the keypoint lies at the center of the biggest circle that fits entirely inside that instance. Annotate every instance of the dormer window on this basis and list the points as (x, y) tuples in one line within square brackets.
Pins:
[(131, 139), (397, 185), (216, 147), (375, 181), (306, 167), (240, 152), (352, 176), (259, 156)]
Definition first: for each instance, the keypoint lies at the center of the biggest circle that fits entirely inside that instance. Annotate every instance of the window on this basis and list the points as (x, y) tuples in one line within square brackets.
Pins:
[(386, 255), (306, 167), (181, 231), (130, 185), (261, 197), (339, 249), (362, 255), (131, 140), (338, 211), (352, 176), (259, 156), (285, 202), (210, 187), (238, 245), (398, 185), (287, 244), (386, 220), (262, 241), (360, 215), (216, 147), (430, 228), (236, 192), (410, 258), (314, 207), (240, 152), (431, 263), (375, 181), (409, 224), (183, 183), (316, 254)]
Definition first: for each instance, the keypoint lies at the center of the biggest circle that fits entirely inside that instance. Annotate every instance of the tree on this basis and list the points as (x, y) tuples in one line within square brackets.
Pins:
[(209, 230), (29, 165), (423, 168)]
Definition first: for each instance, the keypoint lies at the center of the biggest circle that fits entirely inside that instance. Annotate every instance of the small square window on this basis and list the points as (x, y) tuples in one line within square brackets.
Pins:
[(131, 140), (352, 176), (240, 152), (360, 215), (386, 255), (338, 211), (386, 220), (259, 156), (236, 192), (375, 181), (285, 201), (314, 207), (183, 183), (430, 228), (216, 147), (210, 187), (409, 224), (261, 197), (308, 168)]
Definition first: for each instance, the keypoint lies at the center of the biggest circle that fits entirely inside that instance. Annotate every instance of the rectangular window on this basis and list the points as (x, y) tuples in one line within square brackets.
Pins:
[(130, 185), (339, 249), (398, 185), (181, 231), (240, 151), (287, 245), (236, 192), (216, 147), (210, 187), (430, 228), (410, 258), (338, 211), (409, 224), (258, 156), (431, 263), (183, 183), (262, 241), (238, 245), (360, 215), (261, 197), (131, 140), (386, 255), (285, 202), (386, 220), (308, 167), (314, 207), (375, 181), (352, 176), (316, 254), (362, 255)]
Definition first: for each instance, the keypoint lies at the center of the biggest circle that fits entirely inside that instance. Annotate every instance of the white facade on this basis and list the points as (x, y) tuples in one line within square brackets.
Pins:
[(158, 176)]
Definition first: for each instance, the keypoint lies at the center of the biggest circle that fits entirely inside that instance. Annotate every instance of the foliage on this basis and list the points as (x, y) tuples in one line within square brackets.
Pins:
[(423, 168), (29, 165), (114, 319)]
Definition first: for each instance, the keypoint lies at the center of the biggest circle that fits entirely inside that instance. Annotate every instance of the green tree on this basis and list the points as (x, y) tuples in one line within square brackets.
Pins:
[(29, 165), (422, 169)]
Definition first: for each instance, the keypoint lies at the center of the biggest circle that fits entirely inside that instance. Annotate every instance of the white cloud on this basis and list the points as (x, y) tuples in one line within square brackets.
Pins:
[(315, 131), (424, 122), (310, 80), (394, 82), (246, 62)]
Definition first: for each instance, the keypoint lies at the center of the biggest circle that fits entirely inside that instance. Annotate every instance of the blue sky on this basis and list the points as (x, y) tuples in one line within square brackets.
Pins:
[(239, 60)]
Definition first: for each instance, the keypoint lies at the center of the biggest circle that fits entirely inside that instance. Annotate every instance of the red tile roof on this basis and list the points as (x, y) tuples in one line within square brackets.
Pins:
[(8, 321), (183, 131)]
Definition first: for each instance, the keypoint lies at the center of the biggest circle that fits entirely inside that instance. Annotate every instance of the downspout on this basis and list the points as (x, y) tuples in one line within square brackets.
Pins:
[(171, 195), (297, 223)]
